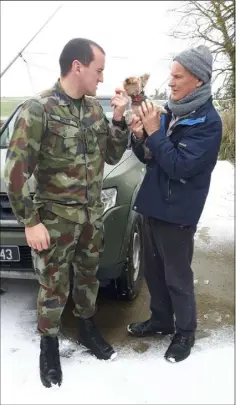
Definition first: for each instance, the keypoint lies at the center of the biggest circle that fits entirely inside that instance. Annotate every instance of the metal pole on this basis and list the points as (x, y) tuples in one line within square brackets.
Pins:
[(22, 50)]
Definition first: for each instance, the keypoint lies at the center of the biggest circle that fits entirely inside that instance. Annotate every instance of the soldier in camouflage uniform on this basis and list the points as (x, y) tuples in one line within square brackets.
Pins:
[(64, 139)]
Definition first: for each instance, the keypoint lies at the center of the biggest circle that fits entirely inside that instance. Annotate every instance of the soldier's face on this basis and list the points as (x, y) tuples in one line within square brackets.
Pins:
[(92, 74)]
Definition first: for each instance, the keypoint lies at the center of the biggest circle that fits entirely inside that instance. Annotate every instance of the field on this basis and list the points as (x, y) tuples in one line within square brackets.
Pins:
[(226, 110), (8, 104)]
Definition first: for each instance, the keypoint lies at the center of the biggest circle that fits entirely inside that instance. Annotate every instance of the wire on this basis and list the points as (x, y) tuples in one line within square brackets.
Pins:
[(42, 67), (163, 84), (30, 78), (55, 54), (54, 70)]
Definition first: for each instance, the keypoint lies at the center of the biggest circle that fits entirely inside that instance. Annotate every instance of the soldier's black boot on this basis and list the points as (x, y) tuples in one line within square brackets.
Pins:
[(90, 337), (49, 361)]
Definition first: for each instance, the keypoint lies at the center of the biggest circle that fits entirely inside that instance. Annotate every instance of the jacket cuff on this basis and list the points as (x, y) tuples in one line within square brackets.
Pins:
[(120, 124), (155, 140), (34, 220), (121, 133)]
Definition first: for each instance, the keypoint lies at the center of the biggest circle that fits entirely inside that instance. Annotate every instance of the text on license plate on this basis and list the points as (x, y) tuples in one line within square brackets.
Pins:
[(9, 254)]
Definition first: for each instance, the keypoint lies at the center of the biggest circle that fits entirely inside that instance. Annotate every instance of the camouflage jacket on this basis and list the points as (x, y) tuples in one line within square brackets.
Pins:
[(66, 151)]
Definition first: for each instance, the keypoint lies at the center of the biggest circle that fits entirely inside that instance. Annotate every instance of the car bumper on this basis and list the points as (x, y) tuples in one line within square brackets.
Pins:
[(110, 266)]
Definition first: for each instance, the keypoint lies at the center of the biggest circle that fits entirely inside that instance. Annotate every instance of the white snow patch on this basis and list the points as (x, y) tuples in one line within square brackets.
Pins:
[(206, 377), (216, 225)]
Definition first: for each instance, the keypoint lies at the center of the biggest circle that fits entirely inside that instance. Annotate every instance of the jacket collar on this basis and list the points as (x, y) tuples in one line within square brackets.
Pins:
[(197, 112), (65, 100), (200, 112)]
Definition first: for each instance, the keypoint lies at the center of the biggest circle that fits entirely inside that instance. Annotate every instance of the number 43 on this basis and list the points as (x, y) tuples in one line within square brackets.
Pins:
[(6, 254)]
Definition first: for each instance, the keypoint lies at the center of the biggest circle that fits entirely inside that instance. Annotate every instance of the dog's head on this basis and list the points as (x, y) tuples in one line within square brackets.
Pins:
[(134, 86)]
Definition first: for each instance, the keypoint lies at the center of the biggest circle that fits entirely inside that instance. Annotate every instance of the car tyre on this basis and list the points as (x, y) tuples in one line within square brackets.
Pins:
[(129, 284)]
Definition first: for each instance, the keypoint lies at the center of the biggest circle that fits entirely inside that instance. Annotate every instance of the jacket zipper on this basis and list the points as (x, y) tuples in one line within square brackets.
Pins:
[(86, 175), (168, 191)]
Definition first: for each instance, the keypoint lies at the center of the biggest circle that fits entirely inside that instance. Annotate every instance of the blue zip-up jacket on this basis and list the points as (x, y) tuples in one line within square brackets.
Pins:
[(177, 179)]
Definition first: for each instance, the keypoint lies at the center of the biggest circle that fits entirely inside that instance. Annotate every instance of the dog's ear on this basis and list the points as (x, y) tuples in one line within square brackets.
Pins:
[(131, 80), (144, 78)]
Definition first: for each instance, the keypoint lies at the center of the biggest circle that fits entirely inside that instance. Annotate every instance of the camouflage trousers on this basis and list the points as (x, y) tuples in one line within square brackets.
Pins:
[(71, 244)]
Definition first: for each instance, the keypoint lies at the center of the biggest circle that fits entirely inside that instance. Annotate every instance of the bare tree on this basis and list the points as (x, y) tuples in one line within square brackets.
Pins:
[(211, 22)]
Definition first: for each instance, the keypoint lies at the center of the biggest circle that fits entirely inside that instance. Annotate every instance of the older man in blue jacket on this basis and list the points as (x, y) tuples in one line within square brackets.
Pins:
[(180, 151)]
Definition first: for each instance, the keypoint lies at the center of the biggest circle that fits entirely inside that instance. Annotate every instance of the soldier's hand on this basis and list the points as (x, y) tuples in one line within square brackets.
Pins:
[(37, 237), (136, 126), (120, 102)]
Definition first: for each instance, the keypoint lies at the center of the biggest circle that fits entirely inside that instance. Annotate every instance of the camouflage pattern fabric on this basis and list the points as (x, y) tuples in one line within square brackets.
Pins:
[(71, 243), (66, 151)]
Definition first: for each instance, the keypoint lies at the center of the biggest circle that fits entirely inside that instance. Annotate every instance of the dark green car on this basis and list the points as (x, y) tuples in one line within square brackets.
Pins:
[(121, 263)]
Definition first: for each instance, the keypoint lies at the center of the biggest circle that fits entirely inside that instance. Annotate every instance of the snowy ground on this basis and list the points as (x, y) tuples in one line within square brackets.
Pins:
[(216, 225), (206, 377)]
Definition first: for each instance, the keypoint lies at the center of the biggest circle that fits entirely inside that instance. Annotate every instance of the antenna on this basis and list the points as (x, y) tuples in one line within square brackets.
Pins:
[(22, 50)]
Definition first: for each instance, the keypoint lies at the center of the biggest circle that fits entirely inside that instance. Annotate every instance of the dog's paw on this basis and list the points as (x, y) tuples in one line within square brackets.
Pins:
[(159, 108), (128, 116), (162, 110)]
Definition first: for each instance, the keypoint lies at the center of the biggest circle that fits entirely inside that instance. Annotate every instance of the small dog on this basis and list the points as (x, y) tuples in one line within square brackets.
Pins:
[(134, 87)]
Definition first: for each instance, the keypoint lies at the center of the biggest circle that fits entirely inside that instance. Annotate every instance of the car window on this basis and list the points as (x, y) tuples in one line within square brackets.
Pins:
[(108, 110), (105, 103), (8, 131)]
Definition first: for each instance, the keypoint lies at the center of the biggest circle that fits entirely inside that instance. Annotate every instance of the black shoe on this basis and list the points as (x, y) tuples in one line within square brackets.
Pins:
[(179, 348), (149, 328), (49, 361), (90, 337)]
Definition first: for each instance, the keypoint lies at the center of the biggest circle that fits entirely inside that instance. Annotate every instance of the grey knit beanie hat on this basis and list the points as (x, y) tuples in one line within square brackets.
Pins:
[(198, 61)]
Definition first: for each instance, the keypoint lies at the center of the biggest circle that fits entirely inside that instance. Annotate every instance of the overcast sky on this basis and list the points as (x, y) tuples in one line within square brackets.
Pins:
[(133, 34)]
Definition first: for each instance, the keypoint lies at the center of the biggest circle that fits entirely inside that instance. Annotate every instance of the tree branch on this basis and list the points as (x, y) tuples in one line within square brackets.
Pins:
[(213, 22)]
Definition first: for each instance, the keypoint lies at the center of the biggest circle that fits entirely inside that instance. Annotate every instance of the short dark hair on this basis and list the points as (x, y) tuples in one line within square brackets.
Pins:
[(77, 49)]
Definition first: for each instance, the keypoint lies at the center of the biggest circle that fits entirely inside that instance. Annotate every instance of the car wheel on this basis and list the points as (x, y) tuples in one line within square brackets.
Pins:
[(129, 284)]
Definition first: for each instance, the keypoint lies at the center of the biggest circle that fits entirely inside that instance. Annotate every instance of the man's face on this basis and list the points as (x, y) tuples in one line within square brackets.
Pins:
[(89, 76), (182, 82)]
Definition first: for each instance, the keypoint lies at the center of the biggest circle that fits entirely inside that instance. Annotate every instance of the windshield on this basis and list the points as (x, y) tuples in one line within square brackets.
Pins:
[(107, 108), (8, 131)]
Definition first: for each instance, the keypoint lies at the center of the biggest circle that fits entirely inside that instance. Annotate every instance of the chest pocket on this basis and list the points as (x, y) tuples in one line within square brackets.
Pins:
[(63, 141), (97, 132)]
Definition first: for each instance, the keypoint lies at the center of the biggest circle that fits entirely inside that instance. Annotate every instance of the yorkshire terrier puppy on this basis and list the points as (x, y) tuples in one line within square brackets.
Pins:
[(134, 87)]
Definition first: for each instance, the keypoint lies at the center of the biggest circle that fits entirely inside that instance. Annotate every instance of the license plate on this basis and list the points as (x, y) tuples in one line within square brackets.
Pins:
[(9, 254)]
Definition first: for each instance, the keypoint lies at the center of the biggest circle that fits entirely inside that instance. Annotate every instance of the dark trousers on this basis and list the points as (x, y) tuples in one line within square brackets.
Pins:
[(168, 252)]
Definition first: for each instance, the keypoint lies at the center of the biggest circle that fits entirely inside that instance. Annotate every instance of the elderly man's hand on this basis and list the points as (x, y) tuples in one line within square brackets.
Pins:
[(120, 102), (150, 116), (136, 126)]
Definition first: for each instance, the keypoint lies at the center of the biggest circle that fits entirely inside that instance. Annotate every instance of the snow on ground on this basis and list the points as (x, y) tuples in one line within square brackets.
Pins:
[(206, 377), (216, 225)]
